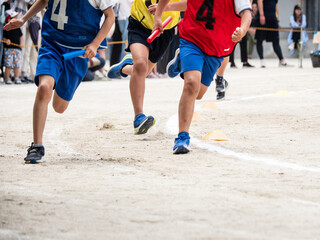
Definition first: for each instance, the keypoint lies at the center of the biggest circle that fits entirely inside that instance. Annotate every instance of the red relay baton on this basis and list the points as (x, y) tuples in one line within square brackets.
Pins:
[(157, 31)]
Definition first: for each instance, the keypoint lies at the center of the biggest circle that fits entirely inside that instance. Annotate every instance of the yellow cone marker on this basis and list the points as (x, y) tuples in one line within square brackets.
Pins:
[(282, 93), (197, 117), (209, 105), (216, 135)]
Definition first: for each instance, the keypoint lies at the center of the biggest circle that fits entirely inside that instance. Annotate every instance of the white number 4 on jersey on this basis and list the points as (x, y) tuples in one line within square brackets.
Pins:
[(61, 17)]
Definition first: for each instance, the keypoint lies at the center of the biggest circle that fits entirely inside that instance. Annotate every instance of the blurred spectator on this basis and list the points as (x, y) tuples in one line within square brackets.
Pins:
[(252, 31), (22, 7), (123, 21), (30, 54), (94, 64), (268, 14), (12, 50), (2, 21), (115, 49), (297, 20), (243, 53)]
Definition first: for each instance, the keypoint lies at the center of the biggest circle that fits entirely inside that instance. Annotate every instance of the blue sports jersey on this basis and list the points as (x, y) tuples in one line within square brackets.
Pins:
[(73, 23)]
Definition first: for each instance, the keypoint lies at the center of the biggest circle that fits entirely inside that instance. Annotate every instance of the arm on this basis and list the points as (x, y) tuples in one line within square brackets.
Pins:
[(304, 21), (6, 40), (157, 16), (17, 23), (175, 6), (91, 49), (261, 12), (241, 31)]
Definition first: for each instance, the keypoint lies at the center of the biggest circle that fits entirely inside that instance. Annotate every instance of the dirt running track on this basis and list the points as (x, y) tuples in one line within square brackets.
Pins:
[(102, 182)]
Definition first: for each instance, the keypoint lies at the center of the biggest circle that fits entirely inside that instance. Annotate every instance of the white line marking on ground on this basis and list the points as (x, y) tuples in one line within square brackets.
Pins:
[(12, 234), (172, 126)]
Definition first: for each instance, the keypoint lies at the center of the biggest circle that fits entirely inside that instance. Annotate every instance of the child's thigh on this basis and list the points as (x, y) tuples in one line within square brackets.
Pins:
[(70, 78), (191, 57), (49, 63), (210, 67)]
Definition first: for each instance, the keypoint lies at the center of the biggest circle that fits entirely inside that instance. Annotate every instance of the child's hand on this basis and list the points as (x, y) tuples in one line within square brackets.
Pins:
[(237, 34), (8, 42), (13, 24), (152, 9), (91, 50), (157, 24)]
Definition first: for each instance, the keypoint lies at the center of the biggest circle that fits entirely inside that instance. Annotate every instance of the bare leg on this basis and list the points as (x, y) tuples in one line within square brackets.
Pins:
[(16, 72), (7, 72), (203, 90), (220, 72), (127, 70), (186, 105), (102, 54), (140, 68), (59, 104), (40, 108), (223, 66)]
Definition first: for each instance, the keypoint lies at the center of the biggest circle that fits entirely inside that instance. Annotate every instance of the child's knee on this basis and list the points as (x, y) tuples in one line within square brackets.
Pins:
[(200, 96), (141, 66), (44, 92), (58, 108), (191, 86)]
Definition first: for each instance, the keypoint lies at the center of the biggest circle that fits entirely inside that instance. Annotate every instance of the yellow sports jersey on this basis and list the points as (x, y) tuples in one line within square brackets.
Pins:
[(139, 11)]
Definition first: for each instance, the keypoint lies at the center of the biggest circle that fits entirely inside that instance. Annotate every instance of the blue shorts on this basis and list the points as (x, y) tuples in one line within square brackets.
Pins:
[(67, 74), (194, 59)]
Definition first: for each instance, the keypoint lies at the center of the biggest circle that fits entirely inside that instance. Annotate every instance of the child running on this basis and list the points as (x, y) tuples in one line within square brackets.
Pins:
[(208, 32), (67, 25), (143, 57)]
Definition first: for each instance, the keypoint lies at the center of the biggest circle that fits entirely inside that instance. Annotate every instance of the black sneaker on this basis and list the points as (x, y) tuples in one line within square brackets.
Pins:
[(233, 65), (35, 154), (247, 65), (221, 87)]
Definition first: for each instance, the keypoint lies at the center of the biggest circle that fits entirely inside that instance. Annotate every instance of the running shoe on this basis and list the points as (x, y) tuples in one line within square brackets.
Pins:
[(221, 87), (115, 70), (35, 154), (142, 123), (174, 66), (181, 143)]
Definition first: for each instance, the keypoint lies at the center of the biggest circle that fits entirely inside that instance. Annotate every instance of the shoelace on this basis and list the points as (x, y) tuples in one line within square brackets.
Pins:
[(33, 150)]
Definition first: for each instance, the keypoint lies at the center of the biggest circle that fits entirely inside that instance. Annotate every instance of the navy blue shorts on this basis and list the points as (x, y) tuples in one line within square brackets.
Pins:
[(137, 33), (67, 74), (194, 59)]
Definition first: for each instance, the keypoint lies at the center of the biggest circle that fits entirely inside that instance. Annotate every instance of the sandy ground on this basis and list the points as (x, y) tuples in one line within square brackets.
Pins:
[(102, 182)]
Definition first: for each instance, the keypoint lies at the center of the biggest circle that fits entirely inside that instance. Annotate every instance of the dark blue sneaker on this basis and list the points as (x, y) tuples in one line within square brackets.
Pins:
[(174, 66), (115, 70), (35, 154), (181, 143), (142, 123)]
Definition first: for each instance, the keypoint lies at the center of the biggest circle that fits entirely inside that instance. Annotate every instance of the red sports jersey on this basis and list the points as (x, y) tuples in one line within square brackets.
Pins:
[(210, 24)]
